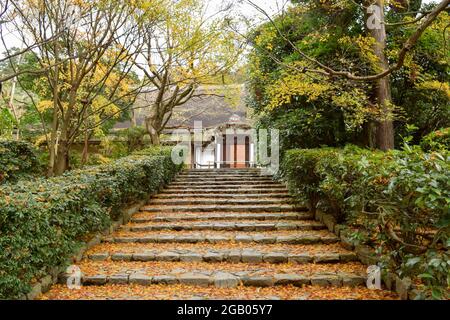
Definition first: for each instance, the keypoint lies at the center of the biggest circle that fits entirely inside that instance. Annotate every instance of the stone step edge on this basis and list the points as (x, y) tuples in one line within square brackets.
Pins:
[(223, 190), (222, 196), (304, 240), (239, 216), (220, 181), (223, 227), (224, 280), (226, 184), (224, 176), (218, 202), (232, 256), (226, 191), (231, 202), (223, 170), (225, 208)]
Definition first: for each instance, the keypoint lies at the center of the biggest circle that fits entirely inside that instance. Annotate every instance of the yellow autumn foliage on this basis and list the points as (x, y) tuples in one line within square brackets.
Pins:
[(443, 87), (44, 105), (365, 47), (283, 90)]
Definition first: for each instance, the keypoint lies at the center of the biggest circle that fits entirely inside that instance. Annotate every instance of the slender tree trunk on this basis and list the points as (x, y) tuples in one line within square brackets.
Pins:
[(153, 131), (53, 144), (385, 128), (385, 125), (133, 118), (54, 130), (62, 155), (11, 102), (62, 158), (61, 161), (153, 126), (155, 139), (85, 154)]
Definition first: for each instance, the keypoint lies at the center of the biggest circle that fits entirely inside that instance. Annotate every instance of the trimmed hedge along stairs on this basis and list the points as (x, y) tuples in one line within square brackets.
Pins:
[(397, 203), (44, 222)]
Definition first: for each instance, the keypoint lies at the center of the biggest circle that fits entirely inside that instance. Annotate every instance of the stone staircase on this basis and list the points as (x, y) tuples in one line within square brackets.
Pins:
[(221, 234)]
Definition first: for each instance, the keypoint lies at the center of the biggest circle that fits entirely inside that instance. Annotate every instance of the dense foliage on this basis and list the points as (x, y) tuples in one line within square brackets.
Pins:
[(17, 158), (436, 140), (397, 202), (312, 110), (42, 222)]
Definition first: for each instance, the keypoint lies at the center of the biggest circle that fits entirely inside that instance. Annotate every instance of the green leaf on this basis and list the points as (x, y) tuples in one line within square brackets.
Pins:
[(436, 294), (426, 276), (413, 261)]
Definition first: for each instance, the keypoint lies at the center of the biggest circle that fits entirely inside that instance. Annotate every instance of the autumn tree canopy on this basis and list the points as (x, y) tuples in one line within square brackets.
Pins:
[(321, 63), (188, 47)]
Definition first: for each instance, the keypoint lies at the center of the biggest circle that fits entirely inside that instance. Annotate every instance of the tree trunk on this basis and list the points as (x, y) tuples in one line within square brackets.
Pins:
[(155, 138), (62, 154), (153, 130), (54, 130), (369, 134), (133, 118), (53, 145), (85, 154), (11, 103), (62, 158), (385, 124)]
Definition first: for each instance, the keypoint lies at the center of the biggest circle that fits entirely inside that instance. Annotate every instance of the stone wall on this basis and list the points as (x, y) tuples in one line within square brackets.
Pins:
[(367, 256)]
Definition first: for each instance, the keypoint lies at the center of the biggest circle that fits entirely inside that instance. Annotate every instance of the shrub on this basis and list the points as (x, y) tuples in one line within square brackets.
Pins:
[(299, 170), (437, 140), (306, 126), (43, 222), (400, 200), (17, 158), (113, 149), (94, 159), (134, 137)]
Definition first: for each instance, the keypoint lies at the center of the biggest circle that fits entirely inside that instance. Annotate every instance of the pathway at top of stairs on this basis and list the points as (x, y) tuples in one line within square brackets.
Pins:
[(221, 234)]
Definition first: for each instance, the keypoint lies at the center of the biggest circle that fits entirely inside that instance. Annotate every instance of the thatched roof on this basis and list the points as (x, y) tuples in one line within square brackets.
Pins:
[(213, 105)]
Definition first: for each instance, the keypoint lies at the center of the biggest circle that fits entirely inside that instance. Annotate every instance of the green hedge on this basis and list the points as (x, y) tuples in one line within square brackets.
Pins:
[(17, 158), (397, 202), (43, 222)]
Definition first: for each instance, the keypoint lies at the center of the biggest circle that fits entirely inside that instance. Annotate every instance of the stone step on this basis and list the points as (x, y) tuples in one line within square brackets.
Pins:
[(227, 186), (223, 170), (304, 238), (225, 180), (143, 218), (227, 183), (223, 208), (222, 279), (216, 190), (222, 196), (252, 256), (223, 176), (212, 201), (226, 226), (187, 292)]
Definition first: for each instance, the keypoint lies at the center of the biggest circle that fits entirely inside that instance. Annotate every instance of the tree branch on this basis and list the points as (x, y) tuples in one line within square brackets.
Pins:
[(327, 71)]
